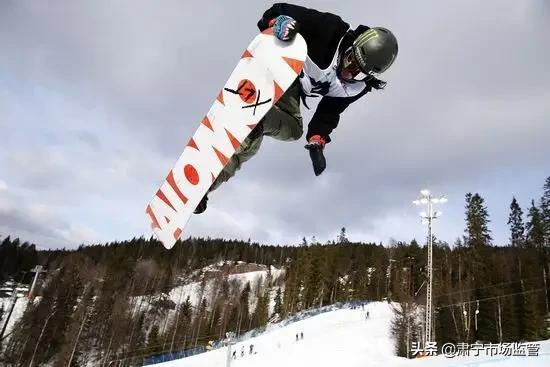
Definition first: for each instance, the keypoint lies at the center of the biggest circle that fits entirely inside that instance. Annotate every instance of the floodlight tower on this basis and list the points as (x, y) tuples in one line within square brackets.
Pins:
[(426, 198)]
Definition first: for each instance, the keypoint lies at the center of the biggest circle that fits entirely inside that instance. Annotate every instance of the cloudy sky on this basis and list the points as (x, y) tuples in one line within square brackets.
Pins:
[(97, 100)]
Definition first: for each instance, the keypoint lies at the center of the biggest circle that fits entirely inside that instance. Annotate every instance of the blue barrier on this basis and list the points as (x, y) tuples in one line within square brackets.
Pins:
[(166, 357)]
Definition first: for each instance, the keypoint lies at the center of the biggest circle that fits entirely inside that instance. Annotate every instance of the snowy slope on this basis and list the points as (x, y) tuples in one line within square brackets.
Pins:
[(341, 338), (18, 310), (205, 284), (193, 289)]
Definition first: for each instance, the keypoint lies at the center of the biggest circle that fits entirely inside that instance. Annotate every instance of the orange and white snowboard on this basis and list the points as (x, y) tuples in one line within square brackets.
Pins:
[(265, 71)]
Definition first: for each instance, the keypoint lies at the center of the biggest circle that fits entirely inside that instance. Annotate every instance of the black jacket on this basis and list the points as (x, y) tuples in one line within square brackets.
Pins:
[(322, 33)]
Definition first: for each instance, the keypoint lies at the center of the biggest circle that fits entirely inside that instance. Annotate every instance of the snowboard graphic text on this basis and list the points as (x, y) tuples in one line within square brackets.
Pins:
[(266, 69)]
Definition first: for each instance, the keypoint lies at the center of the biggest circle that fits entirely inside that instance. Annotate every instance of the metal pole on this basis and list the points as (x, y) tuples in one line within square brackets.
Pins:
[(12, 306), (429, 289), (37, 270), (427, 198), (13, 301), (228, 359), (229, 339)]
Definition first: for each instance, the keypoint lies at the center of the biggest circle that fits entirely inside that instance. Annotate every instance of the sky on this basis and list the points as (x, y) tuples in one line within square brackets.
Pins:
[(97, 100)]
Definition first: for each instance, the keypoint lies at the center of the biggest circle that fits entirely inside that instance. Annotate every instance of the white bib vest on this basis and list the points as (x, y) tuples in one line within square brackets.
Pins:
[(315, 81)]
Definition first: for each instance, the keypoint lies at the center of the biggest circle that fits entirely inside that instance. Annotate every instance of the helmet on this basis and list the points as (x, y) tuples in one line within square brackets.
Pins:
[(372, 53), (375, 50)]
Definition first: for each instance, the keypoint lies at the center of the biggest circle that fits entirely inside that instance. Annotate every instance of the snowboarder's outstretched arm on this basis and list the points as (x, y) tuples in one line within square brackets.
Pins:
[(324, 120), (311, 21), (322, 31), (326, 117)]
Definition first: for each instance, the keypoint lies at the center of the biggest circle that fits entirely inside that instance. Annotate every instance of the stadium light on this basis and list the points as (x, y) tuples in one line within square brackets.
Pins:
[(426, 198)]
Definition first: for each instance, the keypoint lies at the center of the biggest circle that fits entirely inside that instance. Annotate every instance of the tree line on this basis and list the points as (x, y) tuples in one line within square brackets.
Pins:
[(111, 302)]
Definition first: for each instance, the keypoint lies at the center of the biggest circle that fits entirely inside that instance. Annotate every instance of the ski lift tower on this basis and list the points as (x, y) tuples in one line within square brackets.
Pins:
[(36, 270), (230, 339), (426, 198)]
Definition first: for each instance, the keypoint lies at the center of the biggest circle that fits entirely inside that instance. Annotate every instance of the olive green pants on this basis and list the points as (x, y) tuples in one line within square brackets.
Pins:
[(282, 122)]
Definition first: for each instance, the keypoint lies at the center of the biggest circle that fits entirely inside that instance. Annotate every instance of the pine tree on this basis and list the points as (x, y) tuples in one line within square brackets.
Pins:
[(517, 228), (478, 240), (261, 313), (309, 284), (244, 308), (342, 236), (181, 329), (534, 324), (278, 303), (404, 326), (477, 219), (291, 297), (154, 344), (535, 229)]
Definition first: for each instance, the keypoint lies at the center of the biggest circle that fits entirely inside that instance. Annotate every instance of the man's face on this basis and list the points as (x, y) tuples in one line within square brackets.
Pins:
[(350, 71)]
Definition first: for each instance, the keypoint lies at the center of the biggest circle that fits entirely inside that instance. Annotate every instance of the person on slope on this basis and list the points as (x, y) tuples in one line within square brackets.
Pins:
[(342, 65)]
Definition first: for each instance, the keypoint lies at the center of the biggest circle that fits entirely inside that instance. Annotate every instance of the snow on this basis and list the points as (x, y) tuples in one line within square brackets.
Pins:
[(193, 290), (341, 338), (210, 277), (18, 310)]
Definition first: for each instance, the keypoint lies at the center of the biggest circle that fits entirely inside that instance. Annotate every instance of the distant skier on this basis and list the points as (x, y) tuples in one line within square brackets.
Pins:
[(342, 65), (301, 335), (367, 315), (242, 351), (296, 336), (251, 349), (234, 354)]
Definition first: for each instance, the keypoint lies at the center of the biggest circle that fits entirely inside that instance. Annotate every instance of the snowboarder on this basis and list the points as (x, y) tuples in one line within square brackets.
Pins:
[(342, 66)]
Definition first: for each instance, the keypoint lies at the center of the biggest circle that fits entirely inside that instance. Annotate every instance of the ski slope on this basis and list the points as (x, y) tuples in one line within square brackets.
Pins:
[(340, 338), (205, 284), (18, 311)]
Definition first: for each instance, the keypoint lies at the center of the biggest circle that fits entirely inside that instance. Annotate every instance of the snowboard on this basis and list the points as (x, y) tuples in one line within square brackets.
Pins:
[(264, 72)]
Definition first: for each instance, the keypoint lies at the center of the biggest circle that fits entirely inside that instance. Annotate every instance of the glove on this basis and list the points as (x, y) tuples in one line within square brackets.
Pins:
[(315, 145), (284, 27)]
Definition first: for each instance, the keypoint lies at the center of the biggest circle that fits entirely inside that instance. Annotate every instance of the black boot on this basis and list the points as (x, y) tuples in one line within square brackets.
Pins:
[(317, 158), (202, 205)]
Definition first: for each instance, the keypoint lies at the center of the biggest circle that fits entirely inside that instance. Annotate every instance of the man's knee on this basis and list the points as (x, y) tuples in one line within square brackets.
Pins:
[(281, 125), (296, 129)]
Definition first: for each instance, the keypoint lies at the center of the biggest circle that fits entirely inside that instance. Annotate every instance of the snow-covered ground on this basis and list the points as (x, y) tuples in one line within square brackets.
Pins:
[(193, 289), (341, 338), (18, 310), (205, 284)]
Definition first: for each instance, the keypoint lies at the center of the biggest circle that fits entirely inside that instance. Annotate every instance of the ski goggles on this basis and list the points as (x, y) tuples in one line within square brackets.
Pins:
[(351, 72)]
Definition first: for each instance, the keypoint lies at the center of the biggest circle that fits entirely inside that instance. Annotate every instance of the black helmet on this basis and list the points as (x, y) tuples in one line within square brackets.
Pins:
[(375, 50)]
